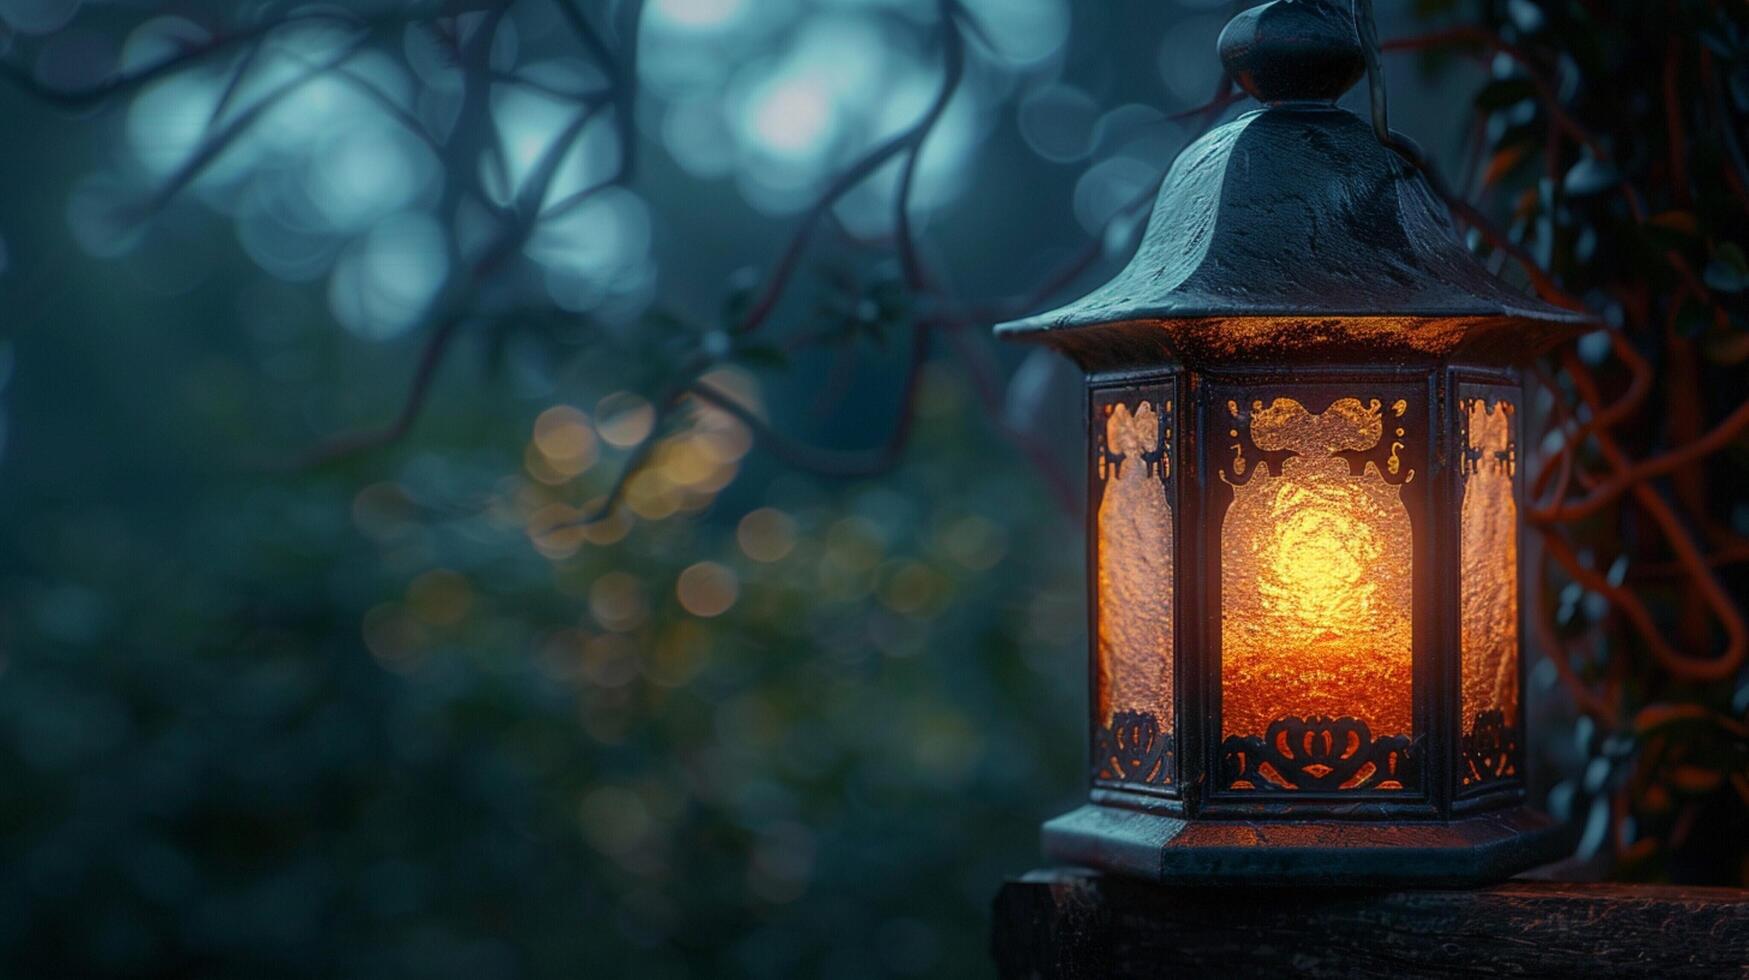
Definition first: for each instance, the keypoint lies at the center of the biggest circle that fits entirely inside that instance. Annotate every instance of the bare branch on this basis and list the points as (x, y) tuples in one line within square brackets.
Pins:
[(215, 146), (586, 32), (1719, 438), (984, 374), (221, 42), (1468, 213), (1545, 91), (540, 179), (954, 62), (1681, 540), (908, 139), (347, 444), (235, 84), (376, 94), (121, 82), (640, 456), (1549, 640), (558, 92), (829, 462)]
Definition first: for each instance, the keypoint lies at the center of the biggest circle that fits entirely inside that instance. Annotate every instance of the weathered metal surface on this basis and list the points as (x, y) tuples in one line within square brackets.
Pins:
[(1297, 50), (1080, 926), (1296, 214), (1292, 232), (1159, 847)]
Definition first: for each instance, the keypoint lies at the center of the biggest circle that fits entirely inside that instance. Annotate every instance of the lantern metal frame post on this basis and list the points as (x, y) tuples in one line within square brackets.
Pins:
[(1291, 255)]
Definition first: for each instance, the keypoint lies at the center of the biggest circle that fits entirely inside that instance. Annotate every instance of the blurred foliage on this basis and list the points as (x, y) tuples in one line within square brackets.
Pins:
[(325, 730)]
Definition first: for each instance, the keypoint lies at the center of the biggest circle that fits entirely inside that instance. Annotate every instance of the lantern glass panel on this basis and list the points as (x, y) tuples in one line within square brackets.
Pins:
[(1134, 600), (1317, 604), (1488, 543)]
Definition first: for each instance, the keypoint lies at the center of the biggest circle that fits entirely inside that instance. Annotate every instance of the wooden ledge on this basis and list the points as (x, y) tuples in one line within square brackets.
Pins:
[(1080, 924)]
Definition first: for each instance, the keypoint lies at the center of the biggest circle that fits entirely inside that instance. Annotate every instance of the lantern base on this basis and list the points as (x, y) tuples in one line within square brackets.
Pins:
[(1465, 851)]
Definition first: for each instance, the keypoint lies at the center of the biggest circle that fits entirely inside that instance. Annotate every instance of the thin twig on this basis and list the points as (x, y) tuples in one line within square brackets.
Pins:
[(1682, 542), (380, 97), (841, 464), (907, 139), (1465, 211), (665, 407), (235, 84), (1720, 437), (348, 444), (214, 146), (1545, 92), (586, 32), (954, 63), (221, 42), (984, 374)]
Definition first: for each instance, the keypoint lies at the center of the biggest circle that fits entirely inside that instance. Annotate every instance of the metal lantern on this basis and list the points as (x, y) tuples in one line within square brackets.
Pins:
[(1304, 414)]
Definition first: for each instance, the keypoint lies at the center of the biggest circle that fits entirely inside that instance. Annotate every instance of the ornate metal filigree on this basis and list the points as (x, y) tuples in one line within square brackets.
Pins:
[(1475, 457), (1133, 749), (1317, 753), (1488, 751)]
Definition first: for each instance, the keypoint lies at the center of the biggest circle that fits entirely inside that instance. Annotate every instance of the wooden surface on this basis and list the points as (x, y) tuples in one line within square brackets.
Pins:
[(1076, 924)]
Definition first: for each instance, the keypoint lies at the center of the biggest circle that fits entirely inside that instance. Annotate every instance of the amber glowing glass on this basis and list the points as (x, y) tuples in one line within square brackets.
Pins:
[(1316, 583), (1134, 600), (1488, 598)]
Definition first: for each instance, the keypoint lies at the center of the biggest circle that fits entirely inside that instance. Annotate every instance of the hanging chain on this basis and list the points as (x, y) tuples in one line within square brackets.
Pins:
[(1367, 29)]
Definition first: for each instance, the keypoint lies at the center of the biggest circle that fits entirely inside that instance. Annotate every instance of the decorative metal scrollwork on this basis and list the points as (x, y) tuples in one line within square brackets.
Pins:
[(1317, 753), (1489, 750), (1133, 749)]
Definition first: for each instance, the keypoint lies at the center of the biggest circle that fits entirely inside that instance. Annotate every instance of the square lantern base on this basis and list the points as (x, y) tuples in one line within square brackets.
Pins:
[(1157, 847)]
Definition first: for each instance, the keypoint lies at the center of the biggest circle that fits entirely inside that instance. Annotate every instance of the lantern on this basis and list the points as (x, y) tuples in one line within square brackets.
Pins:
[(1304, 412)]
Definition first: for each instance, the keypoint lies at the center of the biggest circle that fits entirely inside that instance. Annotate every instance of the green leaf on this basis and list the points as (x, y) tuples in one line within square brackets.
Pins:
[(1724, 278), (1728, 272), (1504, 92), (1589, 176)]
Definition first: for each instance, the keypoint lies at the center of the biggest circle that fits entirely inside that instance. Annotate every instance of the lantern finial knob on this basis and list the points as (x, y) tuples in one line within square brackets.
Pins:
[(1294, 51)]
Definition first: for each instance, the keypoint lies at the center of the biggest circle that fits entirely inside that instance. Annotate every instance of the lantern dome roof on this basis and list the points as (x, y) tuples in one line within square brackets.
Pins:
[(1295, 219)]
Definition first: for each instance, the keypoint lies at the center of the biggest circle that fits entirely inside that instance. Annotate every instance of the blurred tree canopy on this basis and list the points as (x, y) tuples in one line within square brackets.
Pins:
[(525, 488)]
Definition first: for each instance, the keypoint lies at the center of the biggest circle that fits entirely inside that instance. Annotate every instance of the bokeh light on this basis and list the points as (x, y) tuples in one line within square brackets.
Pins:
[(766, 534), (619, 601), (707, 589), (386, 281), (37, 16), (565, 440), (624, 419), (790, 116), (696, 14)]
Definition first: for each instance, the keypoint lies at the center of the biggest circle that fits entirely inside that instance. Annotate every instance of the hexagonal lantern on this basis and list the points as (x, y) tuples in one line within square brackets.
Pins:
[(1304, 411)]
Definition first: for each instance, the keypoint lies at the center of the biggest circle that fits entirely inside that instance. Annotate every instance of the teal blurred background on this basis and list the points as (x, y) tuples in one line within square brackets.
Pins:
[(378, 717)]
